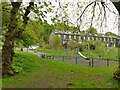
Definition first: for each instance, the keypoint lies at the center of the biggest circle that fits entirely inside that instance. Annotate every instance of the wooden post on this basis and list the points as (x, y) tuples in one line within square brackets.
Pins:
[(92, 62), (107, 62), (89, 53), (76, 60), (62, 58), (53, 57)]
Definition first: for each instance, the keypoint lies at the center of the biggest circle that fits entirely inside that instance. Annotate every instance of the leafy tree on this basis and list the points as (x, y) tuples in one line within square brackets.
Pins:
[(16, 28), (80, 46), (110, 34), (100, 47), (54, 41), (92, 31), (91, 44), (72, 44), (47, 31)]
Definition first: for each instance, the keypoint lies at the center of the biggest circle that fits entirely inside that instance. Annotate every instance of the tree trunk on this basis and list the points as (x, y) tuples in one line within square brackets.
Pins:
[(12, 35), (7, 51)]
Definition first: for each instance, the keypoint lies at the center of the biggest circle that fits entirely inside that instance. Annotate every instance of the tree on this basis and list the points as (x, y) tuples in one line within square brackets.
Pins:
[(100, 47), (72, 44), (47, 31), (110, 34), (91, 44), (54, 41), (7, 51), (14, 31), (91, 31)]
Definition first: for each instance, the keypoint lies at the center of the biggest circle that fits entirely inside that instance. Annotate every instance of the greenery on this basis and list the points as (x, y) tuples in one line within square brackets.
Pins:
[(55, 41), (72, 44), (111, 53), (55, 52), (20, 30), (24, 62), (110, 34), (105, 54), (53, 74), (92, 31)]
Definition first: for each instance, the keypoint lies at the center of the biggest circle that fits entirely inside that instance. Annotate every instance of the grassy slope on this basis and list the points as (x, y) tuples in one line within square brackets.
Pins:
[(56, 74), (52, 52), (93, 53)]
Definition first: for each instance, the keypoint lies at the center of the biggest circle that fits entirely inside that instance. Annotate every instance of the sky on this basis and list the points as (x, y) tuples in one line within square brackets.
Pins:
[(109, 24)]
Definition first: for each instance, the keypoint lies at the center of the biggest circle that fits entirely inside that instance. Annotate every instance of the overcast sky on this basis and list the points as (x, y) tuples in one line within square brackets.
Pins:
[(109, 24)]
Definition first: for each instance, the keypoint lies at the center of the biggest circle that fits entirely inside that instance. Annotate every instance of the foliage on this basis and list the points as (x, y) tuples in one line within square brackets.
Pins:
[(72, 44), (24, 62), (91, 30), (5, 14), (80, 46), (91, 44), (61, 19), (47, 31), (110, 34), (100, 47), (54, 41)]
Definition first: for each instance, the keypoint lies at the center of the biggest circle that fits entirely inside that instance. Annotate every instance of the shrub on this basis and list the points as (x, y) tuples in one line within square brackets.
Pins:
[(55, 41), (24, 62), (72, 44), (80, 46), (91, 44)]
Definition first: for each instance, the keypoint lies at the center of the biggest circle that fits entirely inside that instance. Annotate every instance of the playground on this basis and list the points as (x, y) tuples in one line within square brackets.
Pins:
[(75, 57)]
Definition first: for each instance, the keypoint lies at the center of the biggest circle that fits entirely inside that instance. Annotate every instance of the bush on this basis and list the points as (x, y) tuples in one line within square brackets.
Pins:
[(91, 44), (55, 41), (72, 44), (80, 46), (24, 62)]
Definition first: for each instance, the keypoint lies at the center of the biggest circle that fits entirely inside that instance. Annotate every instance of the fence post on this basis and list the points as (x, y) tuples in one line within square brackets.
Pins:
[(107, 62), (89, 62), (53, 57), (92, 62), (76, 60), (62, 58)]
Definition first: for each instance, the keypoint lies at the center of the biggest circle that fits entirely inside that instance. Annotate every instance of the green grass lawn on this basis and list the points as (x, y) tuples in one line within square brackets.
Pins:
[(38, 73), (57, 52), (106, 54)]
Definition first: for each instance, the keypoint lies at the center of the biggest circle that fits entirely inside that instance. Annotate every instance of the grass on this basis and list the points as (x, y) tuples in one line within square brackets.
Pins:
[(57, 52), (24, 62), (106, 54), (57, 74), (93, 53)]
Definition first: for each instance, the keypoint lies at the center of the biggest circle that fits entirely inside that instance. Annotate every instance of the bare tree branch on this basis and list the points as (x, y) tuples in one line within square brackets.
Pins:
[(85, 10), (79, 18), (100, 8), (93, 13), (104, 17), (110, 10)]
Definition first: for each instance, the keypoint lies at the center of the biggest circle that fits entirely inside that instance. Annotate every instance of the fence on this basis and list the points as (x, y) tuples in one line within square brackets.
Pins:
[(96, 62)]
